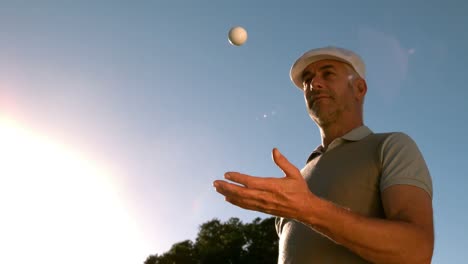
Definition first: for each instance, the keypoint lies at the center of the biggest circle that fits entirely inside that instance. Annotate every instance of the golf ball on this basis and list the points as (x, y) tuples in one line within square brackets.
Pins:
[(237, 36)]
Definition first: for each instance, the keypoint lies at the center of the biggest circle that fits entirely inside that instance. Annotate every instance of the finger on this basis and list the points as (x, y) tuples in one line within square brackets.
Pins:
[(288, 168), (231, 190), (246, 198), (252, 182)]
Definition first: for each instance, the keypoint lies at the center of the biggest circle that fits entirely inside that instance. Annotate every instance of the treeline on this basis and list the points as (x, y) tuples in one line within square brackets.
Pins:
[(229, 242)]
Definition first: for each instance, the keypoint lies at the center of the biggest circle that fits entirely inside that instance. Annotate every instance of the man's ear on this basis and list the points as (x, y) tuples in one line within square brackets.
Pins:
[(361, 88)]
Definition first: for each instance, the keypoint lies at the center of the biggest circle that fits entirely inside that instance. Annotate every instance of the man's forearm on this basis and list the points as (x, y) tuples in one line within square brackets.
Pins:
[(376, 240)]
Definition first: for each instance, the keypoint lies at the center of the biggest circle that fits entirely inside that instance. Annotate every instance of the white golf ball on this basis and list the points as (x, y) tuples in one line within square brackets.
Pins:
[(237, 36)]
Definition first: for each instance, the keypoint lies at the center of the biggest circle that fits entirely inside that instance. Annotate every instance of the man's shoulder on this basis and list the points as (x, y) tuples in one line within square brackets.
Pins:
[(393, 137), (394, 140)]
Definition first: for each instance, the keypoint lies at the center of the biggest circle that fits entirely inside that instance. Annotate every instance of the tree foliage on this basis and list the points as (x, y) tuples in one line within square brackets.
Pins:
[(230, 242)]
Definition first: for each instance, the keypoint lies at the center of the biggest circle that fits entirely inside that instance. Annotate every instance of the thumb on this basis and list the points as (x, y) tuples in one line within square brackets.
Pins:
[(283, 163)]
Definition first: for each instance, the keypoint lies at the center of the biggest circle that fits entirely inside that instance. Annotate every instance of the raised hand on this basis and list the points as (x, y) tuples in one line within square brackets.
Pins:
[(288, 196)]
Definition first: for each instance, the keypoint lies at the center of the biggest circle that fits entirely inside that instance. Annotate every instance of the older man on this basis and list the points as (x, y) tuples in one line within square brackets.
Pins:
[(362, 196)]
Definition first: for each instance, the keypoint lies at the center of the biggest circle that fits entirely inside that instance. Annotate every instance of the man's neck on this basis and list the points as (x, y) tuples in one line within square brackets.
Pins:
[(336, 130)]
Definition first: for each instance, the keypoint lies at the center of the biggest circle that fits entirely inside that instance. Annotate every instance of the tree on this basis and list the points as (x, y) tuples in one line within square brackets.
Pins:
[(230, 242), (262, 242)]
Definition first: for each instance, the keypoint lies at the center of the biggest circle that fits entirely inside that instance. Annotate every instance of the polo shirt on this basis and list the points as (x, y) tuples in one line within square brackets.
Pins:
[(352, 173)]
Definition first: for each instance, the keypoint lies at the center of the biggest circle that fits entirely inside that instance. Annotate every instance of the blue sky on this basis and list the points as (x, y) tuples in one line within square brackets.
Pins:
[(153, 95)]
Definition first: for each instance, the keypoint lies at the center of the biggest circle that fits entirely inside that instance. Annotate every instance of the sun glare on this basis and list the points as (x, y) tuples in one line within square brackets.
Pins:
[(58, 207)]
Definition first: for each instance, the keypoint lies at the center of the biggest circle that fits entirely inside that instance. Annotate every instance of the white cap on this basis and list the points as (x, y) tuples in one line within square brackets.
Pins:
[(329, 52)]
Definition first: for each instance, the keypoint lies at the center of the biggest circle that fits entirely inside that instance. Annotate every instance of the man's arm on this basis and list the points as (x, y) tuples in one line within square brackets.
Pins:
[(406, 236)]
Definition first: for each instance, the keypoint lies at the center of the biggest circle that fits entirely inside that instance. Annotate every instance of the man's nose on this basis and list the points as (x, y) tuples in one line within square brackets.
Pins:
[(317, 83)]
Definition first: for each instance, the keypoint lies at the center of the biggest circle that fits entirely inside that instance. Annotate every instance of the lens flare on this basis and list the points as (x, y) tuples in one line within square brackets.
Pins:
[(59, 207)]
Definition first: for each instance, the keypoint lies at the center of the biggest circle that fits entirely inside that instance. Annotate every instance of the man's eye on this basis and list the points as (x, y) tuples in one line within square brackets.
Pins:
[(327, 74)]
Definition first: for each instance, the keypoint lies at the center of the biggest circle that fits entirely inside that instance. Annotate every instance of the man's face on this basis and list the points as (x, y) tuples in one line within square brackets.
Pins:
[(328, 91)]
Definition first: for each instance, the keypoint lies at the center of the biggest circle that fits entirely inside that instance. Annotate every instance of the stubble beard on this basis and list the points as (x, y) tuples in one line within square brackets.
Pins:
[(324, 117)]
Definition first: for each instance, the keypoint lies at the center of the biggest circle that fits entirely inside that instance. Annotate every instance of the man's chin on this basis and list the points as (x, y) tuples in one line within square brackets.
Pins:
[(321, 121)]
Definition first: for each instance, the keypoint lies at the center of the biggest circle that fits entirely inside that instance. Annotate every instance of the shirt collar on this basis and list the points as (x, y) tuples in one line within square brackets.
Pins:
[(356, 134)]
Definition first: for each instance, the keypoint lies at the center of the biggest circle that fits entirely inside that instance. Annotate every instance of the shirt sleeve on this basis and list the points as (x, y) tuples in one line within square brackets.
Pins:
[(403, 163)]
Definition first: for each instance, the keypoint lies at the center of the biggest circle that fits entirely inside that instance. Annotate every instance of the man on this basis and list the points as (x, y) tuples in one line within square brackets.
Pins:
[(362, 197)]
